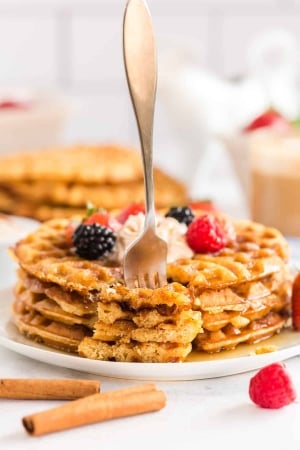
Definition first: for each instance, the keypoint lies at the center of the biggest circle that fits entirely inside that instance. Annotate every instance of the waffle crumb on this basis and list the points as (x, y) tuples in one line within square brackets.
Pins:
[(265, 349)]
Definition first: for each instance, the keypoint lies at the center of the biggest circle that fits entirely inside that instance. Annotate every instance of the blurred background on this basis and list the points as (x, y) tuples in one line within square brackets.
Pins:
[(220, 63)]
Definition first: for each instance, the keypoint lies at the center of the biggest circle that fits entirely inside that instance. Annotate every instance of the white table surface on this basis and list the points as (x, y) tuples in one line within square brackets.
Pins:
[(200, 414)]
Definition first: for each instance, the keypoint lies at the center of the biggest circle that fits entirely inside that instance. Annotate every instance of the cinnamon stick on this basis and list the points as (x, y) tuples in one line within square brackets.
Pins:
[(47, 389), (96, 408)]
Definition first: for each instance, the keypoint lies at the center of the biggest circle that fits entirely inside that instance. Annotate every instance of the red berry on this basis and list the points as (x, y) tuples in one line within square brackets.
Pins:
[(205, 235), (270, 118), (97, 217), (130, 210), (272, 387), (103, 219), (202, 205), (296, 303), (12, 104), (69, 233)]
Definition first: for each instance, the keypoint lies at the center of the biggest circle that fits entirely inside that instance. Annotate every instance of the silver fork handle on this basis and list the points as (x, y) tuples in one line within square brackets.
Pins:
[(141, 72)]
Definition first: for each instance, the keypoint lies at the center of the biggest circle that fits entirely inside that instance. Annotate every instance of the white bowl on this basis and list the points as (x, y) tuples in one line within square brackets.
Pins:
[(12, 228), (39, 124)]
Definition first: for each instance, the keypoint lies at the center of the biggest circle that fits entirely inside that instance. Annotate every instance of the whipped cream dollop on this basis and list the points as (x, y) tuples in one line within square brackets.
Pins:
[(167, 228)]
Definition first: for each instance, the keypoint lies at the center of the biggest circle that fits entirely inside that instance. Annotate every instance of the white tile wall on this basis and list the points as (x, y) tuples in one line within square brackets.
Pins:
[(75, 46), (101, 116), (236, 52), (96, 49), (27, 49)]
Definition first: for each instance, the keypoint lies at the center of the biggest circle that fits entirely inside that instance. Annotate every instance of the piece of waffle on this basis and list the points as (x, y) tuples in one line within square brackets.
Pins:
[(230, 336), (9, 204), (49, 309), (258, 240), (149, 352), (70, 302), (180, 331), (41, 329)]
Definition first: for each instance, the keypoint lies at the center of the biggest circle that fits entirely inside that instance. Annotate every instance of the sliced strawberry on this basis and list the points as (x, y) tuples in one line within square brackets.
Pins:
[(98, 217), (131, 210), (202, 205), (270, 118), (12, 104), (103, 218), (296, 302), (70, 228)]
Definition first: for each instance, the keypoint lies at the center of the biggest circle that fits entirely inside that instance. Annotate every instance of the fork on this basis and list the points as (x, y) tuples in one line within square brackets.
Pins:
[(145, 258)]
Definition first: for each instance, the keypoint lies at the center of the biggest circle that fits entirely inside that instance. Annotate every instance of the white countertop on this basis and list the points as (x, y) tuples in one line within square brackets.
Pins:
[(200, 414)]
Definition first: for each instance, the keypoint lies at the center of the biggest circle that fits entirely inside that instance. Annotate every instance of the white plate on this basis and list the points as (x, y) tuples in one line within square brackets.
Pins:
[(242, 359), (12, 228)]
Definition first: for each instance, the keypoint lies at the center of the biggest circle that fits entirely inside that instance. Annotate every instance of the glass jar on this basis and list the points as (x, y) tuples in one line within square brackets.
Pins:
[(275, 180)]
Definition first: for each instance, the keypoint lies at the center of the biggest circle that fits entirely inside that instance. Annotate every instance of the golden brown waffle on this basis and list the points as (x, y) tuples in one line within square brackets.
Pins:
[(44, 320), (109, 196), (11, 205), (158, 319), (149, 352), (71, 302), (243, 296), (45, 254), (230, 336), (103, 164), (258, 240), (40, 212), (227, 317), (217, 272), (39, 328), (49, 309), (211, 302), (59, 183), (181, 329)]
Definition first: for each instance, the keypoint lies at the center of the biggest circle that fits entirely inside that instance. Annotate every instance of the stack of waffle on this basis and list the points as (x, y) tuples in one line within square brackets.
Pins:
[(59, 183), (211, 302), (143, 325), (52, 315)]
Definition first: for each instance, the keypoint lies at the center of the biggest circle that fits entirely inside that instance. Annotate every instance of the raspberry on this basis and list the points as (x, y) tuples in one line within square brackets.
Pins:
[(272, 387), (93, 241), (183, 214), (296, 302), (205, 235), (130, 210)]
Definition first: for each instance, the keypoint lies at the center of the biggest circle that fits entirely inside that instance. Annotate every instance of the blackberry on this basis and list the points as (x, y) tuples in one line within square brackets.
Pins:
[(183, 214), (93, 241)]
